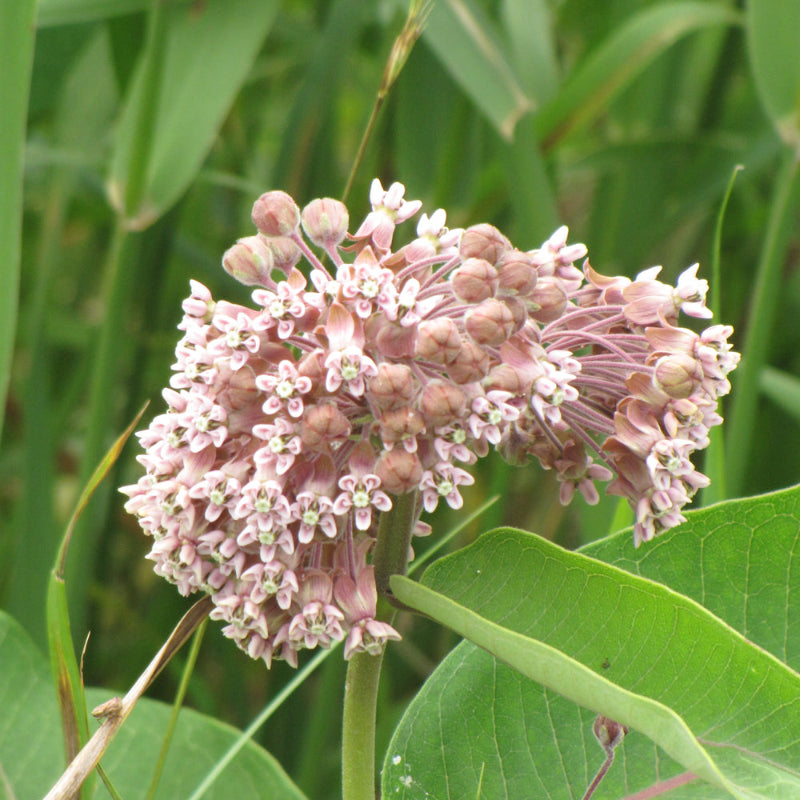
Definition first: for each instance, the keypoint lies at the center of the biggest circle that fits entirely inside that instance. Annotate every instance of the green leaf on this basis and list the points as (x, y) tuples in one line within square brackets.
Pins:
[(783, 389), (464, 40), (209, 51), (70, 12), (16, 58), (619, 59), (617, 643), (773, 27), (31, 755)]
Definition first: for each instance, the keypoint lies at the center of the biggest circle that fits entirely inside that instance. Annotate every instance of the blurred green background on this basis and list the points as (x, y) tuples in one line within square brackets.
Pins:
[(151, 129)]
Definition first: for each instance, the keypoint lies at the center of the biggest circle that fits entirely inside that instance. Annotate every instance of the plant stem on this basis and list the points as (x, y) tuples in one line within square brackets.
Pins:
[(390, 557)]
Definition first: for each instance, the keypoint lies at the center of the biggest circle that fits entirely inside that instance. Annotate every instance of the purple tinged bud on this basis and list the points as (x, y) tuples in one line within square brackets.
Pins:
[(608, 732), (508, 379), (678, 375), (325, 221), (475, 280), (519, 312), (516, 272), (490, 323), (249, 261), (400, 471), (550, 299), (392, 387), (276, 214), (471, 364), (400, 423), (483, 241), (441, 403), (438, 340), (323, 424)]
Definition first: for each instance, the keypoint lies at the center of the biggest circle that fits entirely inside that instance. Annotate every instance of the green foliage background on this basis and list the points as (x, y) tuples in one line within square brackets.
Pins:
[(152, 127)]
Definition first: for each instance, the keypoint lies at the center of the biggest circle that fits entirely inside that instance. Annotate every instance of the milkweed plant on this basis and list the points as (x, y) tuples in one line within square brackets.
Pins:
[(308, 434)]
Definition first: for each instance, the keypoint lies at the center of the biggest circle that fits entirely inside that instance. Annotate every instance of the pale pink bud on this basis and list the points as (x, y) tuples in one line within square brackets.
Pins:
[(519, 312), (475, 280), (276, 214), (678, 375), (441, 403), (325, 221), (508, 379), (490, 323), (399, 471), (323, 424), (399, 424), (285, 253), (483, 241), (471, 364), (516, 273), (438, 340), (392, 387), (249, 261), (550, 299)]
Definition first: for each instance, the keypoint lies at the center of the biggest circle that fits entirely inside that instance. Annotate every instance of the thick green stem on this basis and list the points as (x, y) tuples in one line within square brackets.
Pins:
[(390, 557)]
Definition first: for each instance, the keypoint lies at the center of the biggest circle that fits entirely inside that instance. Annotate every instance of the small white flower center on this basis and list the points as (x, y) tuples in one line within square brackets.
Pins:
[(276, 444), (310, 517), (349, 371), (360, 498), (284, 389), (444, 487)]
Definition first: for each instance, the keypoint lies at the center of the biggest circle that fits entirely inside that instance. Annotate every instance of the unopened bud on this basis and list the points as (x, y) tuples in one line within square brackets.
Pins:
[(249, 261), (516, 273), (323, 424), (399, 424), (325, 221), (438, 340), (519, 311), (392, 387), (441, 402), (399, 471), (285, 253), (550, 299), (483, 241), (678, 375), (276, 214), (608, 732), (490, 323), (508, 379), (475, 280), (471, 364)]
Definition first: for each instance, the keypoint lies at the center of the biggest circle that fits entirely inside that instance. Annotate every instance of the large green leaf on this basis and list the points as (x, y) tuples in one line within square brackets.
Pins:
[(772, 30), (209, 50), (616, 643), (31, 753)]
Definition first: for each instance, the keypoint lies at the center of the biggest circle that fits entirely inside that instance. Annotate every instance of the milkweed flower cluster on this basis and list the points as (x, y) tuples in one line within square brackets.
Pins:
[(374, 373)]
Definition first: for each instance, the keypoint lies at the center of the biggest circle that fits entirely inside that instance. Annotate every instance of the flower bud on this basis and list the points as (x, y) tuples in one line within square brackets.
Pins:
[(470, 365), (285, 253), (550, 299), (519, 312), (249, 261), (398, 424), (490, 323), (516, 273), (276, 214), (325, 221), (608, 732), (678, 375), (475, 280), (392, 387), (508, 379), (399, 471), (438, 340), (441, 402), (483, 241), (323, 424)]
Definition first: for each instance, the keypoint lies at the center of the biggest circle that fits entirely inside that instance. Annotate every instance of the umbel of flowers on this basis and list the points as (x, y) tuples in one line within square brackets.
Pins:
[(377, 373)]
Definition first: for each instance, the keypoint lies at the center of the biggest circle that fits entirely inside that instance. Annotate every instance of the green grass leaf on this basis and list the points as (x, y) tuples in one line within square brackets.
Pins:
[(621, 58), (773, 27), (31, 753), (71, 12), (209, 51), (606, 640)]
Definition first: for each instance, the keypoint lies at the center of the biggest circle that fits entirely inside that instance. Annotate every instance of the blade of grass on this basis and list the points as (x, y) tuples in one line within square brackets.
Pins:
[(16, 60), (781, 223)]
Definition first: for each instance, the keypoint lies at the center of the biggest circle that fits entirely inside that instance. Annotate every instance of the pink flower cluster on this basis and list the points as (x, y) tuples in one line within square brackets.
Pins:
[(292, 423)]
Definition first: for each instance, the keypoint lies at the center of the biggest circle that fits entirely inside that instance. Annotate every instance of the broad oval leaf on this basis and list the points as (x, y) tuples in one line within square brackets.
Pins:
[(477, 722), (32, 754)]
